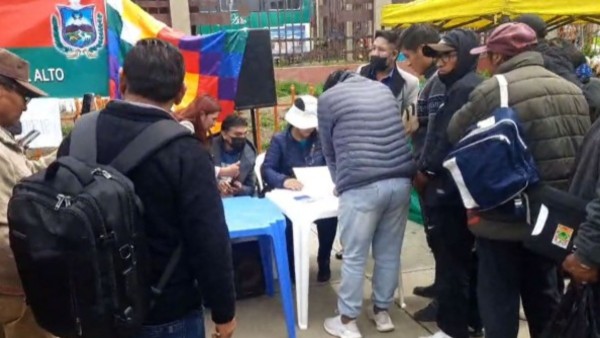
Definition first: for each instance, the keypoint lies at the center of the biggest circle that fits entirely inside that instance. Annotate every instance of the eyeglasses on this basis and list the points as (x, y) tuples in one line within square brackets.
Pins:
[(446, 57)]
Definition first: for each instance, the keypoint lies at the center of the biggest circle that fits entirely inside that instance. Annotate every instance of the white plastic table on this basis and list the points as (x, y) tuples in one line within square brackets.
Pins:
[(302, 214)]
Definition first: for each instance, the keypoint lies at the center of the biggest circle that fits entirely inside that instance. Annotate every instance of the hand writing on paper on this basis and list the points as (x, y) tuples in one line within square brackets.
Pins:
[(293, 184)]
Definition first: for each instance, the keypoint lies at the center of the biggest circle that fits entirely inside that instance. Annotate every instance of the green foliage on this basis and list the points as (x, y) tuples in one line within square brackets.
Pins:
[(66, 129), (284, 88)]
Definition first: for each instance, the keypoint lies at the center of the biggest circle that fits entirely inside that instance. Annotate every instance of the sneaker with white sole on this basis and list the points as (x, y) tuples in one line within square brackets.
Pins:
[(382, 320), (439, 334), (336, 328)]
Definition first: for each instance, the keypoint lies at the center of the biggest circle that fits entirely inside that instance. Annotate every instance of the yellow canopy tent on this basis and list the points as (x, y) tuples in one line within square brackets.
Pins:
[(481, 15)]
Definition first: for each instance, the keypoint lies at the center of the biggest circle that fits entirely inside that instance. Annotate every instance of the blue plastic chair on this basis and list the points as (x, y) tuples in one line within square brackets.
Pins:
[(252, 217)]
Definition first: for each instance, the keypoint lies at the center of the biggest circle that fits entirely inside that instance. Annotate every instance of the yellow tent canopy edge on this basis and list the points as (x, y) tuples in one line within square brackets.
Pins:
[(480, 15)]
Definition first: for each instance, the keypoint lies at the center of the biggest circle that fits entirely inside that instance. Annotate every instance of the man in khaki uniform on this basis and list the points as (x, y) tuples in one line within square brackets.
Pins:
[(16, 319)]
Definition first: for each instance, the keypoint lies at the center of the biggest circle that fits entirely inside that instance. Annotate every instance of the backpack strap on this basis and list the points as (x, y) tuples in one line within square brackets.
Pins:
[(503, 90), (151, 139), (83, 144)]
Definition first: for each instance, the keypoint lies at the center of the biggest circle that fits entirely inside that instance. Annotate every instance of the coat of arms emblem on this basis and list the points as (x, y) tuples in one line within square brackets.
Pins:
[(78, 30)]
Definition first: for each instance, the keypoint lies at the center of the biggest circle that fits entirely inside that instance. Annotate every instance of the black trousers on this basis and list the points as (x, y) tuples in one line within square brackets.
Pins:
[(326, 230), (430, 234), (509, 272), (455, 270)]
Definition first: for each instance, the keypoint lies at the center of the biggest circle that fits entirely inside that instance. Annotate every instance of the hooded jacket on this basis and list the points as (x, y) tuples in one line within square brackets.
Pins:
[(556, 61), (554, 116), (441, 189)]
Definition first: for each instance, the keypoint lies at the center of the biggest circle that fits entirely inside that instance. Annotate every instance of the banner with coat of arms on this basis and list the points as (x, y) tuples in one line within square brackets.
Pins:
[(63, 40)]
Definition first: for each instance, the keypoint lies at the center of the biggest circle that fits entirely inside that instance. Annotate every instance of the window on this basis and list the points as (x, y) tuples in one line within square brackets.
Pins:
[(273, 5), (234, 5)]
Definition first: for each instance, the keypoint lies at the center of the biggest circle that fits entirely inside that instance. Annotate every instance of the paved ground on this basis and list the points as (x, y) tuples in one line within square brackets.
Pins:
[(263, 318)]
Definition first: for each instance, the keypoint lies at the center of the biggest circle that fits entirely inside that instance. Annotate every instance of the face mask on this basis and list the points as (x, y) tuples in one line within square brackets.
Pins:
[(378, 63), (401, 57), (238, 143)]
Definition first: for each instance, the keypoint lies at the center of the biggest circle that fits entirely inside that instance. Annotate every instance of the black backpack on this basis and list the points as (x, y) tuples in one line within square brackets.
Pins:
[(77, 235)]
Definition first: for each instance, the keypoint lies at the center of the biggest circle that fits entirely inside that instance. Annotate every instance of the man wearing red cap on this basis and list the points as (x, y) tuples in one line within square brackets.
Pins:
[(555, 117), (16, 320)]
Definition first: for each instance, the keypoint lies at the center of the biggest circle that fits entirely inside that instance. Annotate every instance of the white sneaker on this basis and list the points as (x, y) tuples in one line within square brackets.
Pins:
[(336, 328), (439, 334), (382, 320)]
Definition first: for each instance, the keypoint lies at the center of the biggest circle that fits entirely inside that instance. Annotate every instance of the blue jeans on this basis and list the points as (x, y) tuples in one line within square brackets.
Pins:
[(374, 215), (190, 326)]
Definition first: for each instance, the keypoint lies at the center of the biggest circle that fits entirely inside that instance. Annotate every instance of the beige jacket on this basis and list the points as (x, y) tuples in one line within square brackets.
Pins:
[(14, 166)]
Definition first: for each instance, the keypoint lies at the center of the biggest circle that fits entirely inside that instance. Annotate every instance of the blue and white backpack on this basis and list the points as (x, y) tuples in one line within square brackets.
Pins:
[(492, 164)]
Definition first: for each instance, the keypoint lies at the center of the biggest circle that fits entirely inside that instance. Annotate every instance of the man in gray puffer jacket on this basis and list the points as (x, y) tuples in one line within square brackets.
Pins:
[(554, 116), (371, 164)]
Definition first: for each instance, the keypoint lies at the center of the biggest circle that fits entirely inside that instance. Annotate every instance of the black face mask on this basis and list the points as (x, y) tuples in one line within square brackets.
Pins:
[(378, 63), (238, 143)]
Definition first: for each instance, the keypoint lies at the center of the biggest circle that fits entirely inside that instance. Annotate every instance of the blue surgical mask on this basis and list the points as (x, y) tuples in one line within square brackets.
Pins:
[(401, 57)]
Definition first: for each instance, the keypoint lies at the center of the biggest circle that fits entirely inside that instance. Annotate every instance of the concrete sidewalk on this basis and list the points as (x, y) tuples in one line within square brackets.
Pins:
[(263, 317)]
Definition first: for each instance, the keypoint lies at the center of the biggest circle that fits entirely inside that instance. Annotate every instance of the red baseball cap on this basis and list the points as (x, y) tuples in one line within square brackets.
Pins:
[(508, 39)]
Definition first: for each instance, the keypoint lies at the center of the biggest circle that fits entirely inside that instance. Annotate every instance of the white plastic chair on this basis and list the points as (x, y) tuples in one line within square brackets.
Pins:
[(260, 159)]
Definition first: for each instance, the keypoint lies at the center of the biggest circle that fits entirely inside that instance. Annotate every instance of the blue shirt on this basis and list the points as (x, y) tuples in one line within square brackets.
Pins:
[(228, 158)]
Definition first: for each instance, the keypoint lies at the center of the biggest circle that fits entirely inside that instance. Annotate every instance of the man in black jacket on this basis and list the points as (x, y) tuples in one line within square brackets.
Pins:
[(178, 188), (456, 69), (232, 147)]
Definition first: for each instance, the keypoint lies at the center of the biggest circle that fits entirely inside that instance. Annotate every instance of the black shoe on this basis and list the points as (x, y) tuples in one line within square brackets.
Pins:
[(476, 333), (427, 314), (324, 274), (425, 291)]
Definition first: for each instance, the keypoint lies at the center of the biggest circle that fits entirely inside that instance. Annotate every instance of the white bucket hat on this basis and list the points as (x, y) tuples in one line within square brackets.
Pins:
[(303, 114)]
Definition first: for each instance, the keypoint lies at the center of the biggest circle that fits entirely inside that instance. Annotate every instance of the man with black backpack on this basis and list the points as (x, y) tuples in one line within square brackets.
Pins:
[(128, 262)]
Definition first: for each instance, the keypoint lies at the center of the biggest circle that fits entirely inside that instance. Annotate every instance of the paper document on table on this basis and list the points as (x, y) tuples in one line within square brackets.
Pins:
[(316, 181)]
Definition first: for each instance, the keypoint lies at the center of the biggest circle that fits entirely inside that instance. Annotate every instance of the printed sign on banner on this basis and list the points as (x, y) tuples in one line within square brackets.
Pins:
[(63, 40)]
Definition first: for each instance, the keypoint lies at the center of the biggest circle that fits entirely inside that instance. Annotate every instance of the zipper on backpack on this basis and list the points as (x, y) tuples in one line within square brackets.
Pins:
[(63, 201), (102, 172)]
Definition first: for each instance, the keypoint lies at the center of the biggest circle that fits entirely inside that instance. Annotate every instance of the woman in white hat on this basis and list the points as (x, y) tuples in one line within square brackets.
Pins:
[(299, 146)]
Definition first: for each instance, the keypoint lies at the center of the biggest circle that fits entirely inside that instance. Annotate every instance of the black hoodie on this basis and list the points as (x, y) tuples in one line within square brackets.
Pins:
[(459, 85)]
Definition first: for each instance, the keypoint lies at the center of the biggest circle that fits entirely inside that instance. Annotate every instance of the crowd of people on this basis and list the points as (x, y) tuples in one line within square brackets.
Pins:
[(381, 130)]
